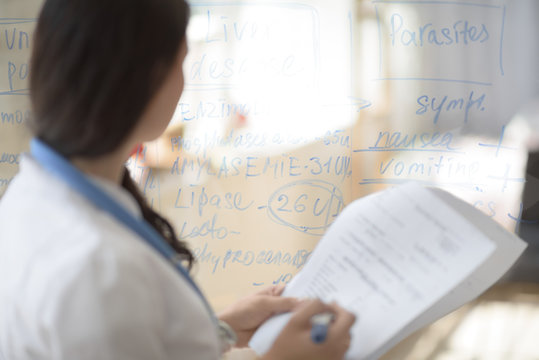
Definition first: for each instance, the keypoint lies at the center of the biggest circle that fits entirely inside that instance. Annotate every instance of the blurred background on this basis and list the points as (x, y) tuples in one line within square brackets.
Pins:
[(287, 102)]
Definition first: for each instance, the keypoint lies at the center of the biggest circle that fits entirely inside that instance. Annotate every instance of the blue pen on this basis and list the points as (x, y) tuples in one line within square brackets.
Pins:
[(319, 326)]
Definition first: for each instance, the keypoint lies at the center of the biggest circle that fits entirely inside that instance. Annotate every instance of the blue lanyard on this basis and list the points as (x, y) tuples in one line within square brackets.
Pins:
[(62, 168)]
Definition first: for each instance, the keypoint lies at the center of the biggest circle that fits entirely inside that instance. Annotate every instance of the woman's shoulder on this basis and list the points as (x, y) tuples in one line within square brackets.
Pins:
[(56, 244), (36, 196), (64, 260), (43, 219), (39, 202)]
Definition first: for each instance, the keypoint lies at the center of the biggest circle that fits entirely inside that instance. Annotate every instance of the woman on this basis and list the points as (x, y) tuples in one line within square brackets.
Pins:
[(87, 269)]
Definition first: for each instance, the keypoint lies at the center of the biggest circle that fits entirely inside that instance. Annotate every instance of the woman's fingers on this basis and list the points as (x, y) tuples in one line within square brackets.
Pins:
[(296, 339), (278, 304), (309, 308), (275, 290), (343, 321)]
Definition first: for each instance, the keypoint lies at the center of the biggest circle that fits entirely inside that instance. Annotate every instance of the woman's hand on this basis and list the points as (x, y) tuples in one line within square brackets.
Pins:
[(294, 342), (246, 315)]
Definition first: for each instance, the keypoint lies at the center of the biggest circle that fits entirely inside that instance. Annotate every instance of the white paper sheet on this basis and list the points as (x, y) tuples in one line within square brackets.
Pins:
[(388, 258)]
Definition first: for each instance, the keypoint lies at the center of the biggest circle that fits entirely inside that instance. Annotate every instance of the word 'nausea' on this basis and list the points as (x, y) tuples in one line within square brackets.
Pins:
[(426, 140)]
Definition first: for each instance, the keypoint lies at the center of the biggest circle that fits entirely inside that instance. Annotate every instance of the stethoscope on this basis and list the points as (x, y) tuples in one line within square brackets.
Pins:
[(59, 166)]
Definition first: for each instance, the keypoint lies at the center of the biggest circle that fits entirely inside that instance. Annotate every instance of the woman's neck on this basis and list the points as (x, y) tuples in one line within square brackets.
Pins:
[(110, 166)]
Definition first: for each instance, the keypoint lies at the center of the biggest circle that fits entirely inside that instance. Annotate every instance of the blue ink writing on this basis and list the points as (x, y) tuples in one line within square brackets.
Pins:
[(460, 32), (432, 104), (200, 198)]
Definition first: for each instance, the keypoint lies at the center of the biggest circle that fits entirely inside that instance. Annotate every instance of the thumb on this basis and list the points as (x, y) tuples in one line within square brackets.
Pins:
[(277, 304), (308, 308), (275, 290)]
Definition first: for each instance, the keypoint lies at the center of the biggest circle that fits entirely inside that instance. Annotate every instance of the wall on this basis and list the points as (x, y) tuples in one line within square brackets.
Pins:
[(292, 110)]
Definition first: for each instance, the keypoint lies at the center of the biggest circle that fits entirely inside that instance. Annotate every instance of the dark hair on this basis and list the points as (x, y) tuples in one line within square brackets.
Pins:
[(95, 66)]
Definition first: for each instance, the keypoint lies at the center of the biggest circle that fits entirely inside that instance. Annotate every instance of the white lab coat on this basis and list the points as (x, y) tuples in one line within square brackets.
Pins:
[(76, 284)]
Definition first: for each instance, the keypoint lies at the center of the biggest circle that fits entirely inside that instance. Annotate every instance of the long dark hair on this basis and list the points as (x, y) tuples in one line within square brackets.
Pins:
[(95, 66)]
